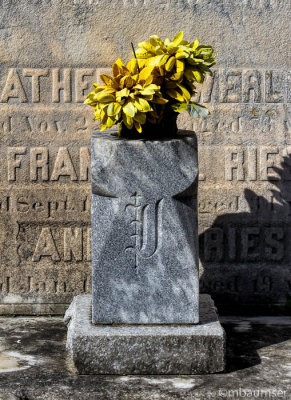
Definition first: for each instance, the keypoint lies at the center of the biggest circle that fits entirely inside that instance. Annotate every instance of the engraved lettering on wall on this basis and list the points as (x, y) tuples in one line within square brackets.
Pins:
[(42, 164), (255, 164), (71, 85), (46, 246), (238, 244), (57, 244)]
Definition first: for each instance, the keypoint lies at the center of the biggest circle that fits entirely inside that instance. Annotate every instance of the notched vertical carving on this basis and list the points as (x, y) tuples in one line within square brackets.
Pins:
[(147, 223)]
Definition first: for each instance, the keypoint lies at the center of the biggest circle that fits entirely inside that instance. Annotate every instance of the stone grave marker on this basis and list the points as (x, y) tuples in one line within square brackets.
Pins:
[(145, 314), (144, 230)]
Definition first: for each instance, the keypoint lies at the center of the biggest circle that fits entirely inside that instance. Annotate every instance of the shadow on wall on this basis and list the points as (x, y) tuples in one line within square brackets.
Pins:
[(246, 256)]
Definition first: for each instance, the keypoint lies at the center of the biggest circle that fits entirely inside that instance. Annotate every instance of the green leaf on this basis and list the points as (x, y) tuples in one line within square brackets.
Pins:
[(195, 44), (175, 94), (197, 75), (179, 107), (129, 109), (178, 38), (196, 110), (186, 93)]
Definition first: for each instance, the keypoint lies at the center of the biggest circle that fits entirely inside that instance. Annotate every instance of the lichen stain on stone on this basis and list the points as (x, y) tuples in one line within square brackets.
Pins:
[(176, 383), (11, 361), (8, 363)]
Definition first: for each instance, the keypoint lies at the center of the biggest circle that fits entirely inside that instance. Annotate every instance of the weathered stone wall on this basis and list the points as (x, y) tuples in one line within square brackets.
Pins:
[(50, 52)]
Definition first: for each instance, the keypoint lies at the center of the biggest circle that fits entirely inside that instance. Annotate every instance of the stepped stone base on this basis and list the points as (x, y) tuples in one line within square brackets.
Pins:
[(144, 349)]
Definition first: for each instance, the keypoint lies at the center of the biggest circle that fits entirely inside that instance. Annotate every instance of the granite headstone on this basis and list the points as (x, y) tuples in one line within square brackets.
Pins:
[(144, 230)]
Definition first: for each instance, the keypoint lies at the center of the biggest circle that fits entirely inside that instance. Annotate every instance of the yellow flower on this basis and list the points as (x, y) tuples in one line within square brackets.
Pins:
[(129, 96), (178, 62)]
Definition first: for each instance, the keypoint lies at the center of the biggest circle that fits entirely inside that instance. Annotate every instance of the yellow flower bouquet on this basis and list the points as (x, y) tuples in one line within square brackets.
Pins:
[(145, 95)]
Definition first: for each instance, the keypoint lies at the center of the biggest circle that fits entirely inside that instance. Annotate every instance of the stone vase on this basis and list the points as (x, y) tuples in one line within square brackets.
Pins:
[(166, 128)]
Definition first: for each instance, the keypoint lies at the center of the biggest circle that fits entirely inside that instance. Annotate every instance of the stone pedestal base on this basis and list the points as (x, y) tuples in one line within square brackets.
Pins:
[(144, 349)]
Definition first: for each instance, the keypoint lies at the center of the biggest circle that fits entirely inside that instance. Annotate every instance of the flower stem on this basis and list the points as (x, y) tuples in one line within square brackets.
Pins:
[(135, 56)]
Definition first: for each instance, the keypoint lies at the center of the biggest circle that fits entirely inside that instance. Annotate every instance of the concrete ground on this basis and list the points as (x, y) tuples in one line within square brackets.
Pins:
[(34, 366)]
